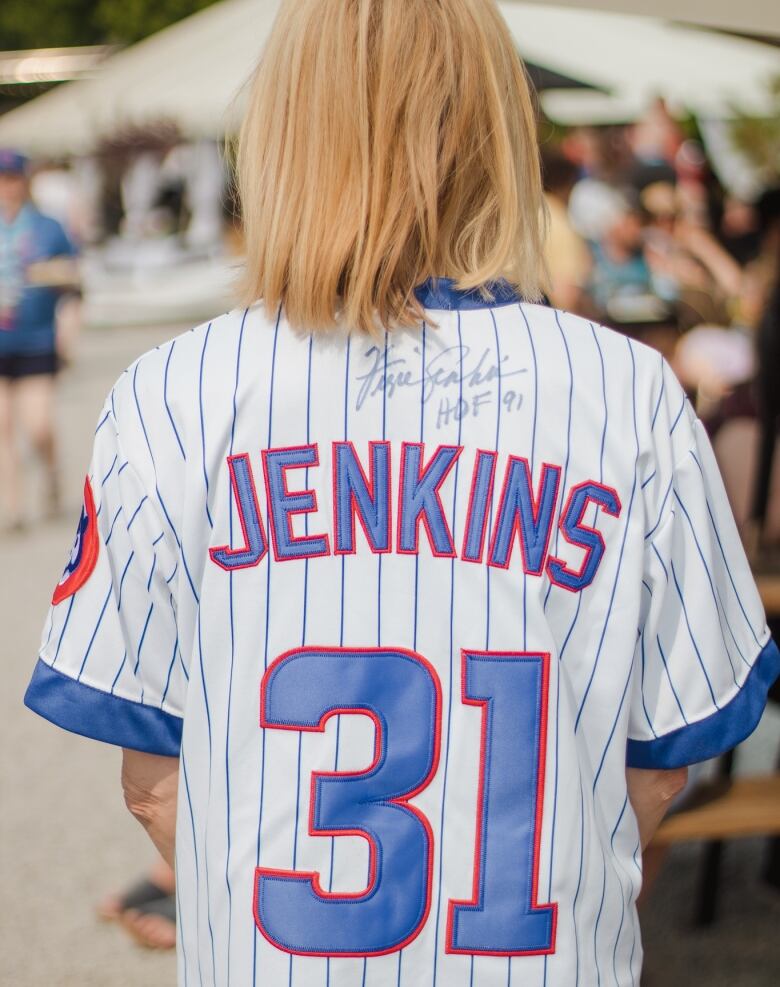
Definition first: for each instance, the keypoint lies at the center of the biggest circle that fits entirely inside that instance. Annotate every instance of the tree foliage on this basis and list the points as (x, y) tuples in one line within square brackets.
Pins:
[(125, 21), (55, 23)]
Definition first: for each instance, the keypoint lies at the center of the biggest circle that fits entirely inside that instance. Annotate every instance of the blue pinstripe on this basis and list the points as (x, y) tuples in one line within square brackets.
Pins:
[(622, 549), (111, 529), (143, 638), (156, 482), (203, 425), (180, 929), (267, 626), (725, 560), (417, 556), (577, 891), (119, 672), (303, 632), (135, 512), (449, 680), (111, 470), (655, 527), (642, 684), (197, 868), (232, 656), (614, 727), (715, 595), (170, 672), (151, 572), (94, 632), (601, 475), (167, 406), (663, 566), (341, 632), (660, 395), (206, 829), (122, 580), (571, 626), (102, 422), (568, 443), (533, 446), (598, 920), (622, 895), (692, 637), (62, 632), (669, 677), (679, 415)]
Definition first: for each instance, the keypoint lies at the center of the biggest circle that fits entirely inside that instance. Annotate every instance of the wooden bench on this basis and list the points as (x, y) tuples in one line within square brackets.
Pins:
[(750, 806)]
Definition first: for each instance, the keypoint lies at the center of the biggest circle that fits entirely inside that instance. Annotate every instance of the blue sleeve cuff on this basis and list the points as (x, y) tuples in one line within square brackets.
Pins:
[(100, 715), (717, 733)]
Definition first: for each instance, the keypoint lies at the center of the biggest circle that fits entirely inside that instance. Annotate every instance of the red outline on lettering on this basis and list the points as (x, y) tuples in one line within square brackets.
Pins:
[(494, 456), (516, 534), (288, 513), (582, 527), (90, 547), (226, 549), (314, 876), (422, 516), (540, 777), (354, 510)]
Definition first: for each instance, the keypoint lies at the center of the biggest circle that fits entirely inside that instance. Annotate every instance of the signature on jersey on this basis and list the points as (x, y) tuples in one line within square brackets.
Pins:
[(461, 382)]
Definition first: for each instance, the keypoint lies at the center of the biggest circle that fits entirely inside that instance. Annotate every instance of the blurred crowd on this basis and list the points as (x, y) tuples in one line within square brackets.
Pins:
[(645, 239)]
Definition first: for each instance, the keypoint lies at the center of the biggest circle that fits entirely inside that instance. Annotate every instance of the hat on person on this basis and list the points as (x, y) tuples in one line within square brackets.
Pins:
[(12, 162)]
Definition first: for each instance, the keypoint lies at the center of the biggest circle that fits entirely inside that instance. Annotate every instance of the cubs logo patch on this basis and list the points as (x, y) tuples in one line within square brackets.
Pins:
[(83, 557)]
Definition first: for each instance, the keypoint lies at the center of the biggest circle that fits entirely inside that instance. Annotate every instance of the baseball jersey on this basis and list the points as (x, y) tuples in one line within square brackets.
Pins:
[(406, 606)]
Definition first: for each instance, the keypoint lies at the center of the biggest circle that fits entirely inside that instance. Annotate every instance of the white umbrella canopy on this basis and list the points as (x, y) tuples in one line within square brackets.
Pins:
[(634, 59), (192, 73), (748, 16)]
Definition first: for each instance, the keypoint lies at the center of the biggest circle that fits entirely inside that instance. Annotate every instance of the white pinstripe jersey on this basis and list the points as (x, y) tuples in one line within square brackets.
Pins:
[(546, 582)]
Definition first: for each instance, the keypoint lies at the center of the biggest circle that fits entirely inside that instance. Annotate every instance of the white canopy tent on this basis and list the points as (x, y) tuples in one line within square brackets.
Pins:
[(193, 72), (746, 16)]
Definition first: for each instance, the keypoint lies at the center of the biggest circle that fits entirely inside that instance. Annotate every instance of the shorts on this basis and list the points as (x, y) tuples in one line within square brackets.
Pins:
[(13, 366)]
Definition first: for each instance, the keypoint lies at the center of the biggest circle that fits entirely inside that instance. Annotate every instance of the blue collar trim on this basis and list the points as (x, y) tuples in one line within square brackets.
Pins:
[(441, 293)]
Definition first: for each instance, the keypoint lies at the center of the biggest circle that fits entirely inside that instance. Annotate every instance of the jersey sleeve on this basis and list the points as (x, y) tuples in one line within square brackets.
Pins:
[(704, 657), (109, 666)]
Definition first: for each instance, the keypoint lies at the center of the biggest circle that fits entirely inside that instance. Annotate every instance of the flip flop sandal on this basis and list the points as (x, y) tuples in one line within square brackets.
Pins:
[(136, 896), (163, 908)]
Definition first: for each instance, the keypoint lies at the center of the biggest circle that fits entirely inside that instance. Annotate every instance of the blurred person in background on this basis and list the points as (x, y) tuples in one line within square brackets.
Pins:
[(36, 265), (620, 280), (566, 253), (58, 191), (689, 267), (147, 908), (744, 423)]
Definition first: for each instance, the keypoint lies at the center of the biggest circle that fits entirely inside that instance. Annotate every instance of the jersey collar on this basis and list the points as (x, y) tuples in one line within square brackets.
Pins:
[(441, 293)]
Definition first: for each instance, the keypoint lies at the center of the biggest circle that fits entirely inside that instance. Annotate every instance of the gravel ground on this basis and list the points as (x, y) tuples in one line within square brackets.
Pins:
[(66, 839)]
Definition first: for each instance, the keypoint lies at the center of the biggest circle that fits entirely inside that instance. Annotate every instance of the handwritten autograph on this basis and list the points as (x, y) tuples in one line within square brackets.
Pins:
[(445, 370)]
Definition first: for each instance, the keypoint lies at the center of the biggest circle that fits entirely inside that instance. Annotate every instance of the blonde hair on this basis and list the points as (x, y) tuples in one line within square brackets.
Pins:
[(386, 142)]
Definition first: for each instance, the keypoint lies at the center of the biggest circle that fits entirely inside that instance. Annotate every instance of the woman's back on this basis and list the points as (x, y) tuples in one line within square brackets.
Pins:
[(470, 646)]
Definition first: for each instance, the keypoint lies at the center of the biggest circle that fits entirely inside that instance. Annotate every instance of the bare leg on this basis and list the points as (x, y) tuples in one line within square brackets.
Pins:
[(69, 322), (35, 401), (10, 478)]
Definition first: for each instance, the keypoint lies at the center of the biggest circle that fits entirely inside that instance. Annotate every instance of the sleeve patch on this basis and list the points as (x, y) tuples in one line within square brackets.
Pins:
[(83, 557)]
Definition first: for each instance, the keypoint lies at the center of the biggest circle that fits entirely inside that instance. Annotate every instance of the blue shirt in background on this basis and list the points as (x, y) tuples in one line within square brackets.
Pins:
[(26, 310)]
